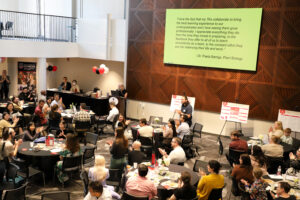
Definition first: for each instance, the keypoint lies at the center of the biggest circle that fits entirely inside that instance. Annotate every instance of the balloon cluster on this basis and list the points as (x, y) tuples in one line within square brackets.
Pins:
[(52, 68), (102, 69)]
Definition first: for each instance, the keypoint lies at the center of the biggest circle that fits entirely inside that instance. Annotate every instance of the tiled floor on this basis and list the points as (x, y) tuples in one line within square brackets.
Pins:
[(208, 149)]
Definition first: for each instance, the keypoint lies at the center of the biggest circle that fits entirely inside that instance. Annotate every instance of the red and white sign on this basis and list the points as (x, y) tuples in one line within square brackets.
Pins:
[(234, 112), (289, 119), (176, 102)]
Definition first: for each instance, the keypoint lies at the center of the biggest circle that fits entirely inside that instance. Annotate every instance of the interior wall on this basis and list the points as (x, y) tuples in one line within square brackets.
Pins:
[(81, 70), (98, 9), (275, 85)]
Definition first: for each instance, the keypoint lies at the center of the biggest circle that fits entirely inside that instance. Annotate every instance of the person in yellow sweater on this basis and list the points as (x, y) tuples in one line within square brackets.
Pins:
[(211, 181), (5, 123)]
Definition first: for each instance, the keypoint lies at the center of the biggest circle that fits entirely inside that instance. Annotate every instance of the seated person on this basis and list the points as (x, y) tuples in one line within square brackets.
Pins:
[(282, 192), (122, 122), (237, 143), (145, 130), (72, 148), (258, 159), (100, 173), (57, 101), (140, 185), (4, 122), (136, 156), (286, 138), (32, 133), (39, 112), (295, 160), (75, 88), (211, 181), (122, 91), (273, 149), (277, 130), (177, 155), (54, 117), (82, 115), (185, 190), (169, 132), (65, 85), (118, 149), (61, 133), (7, 150), (112, 113), (17, 104), (243, 170), (97, 192), (25, 95), (257, 189), (184, 128)]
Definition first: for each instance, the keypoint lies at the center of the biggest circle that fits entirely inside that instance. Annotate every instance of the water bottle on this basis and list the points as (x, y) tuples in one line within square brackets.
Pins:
[(279, 171)]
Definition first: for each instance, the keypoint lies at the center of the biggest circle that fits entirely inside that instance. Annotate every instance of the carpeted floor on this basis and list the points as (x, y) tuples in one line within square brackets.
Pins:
[(208, 149)]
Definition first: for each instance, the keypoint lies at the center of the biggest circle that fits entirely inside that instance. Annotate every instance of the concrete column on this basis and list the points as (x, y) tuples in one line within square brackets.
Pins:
[(41, 74)]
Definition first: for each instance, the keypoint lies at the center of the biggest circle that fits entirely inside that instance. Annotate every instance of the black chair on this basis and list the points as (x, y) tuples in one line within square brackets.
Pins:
[(197, 128), (115, 178), (197, 165), (215, 194), (273, 163), (56, 195), (221, 148), (100, 124), (146, 141), (82, 126), (127, 196), (234, 156), (11, 176), (16, 194), (84, 177), (180, 163), (89, 156), (147, 150), (70, 165), (53, 124), (91, 138), (25, 170), (187, 145), (134, 133)]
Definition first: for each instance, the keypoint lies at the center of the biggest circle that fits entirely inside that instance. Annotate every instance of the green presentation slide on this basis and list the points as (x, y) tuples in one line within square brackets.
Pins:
[(219, 38)]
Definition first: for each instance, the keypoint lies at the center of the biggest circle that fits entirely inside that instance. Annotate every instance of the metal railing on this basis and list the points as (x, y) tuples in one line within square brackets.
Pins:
[(36, 27)]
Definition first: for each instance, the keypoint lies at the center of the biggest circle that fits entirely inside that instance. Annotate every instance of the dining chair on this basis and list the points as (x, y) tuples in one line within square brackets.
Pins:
[(89, 156), (115, 178), (25, 170), (127, 196), (16, 194), (91, 138), (56, 195), (215, 193), (85, 179)]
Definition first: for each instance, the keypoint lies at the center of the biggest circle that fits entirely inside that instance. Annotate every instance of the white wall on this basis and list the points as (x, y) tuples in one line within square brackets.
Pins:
[(81, 70), (210, 120), (11, 5), (98, 9)]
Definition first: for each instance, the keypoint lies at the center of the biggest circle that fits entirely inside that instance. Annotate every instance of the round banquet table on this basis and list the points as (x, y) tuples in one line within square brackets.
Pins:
[(42, 159), (164, 193)]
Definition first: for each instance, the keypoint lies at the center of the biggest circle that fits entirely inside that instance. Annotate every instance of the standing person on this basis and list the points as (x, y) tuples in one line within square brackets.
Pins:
[(185, 190), (122, 91), (118, 149), (75, 87), (186, 109), (4, 81), (65, 85), (122, 122)]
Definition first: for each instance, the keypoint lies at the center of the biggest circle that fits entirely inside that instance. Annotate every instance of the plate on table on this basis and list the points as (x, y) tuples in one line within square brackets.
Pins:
[(169, 184)]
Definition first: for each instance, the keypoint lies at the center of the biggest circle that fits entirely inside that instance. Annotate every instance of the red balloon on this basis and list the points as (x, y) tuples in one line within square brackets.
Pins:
[(54, 68), (101, 70), (94, 69)]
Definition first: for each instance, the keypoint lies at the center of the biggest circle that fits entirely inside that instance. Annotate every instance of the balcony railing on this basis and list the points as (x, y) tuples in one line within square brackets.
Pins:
[(36, 27)]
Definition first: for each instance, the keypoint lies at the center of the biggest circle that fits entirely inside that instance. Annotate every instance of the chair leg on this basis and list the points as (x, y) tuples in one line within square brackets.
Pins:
[(44, 179)]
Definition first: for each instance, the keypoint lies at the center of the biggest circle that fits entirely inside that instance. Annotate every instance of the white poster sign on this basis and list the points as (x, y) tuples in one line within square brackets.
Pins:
[(289, 119), (176, 102), (234, 112)]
